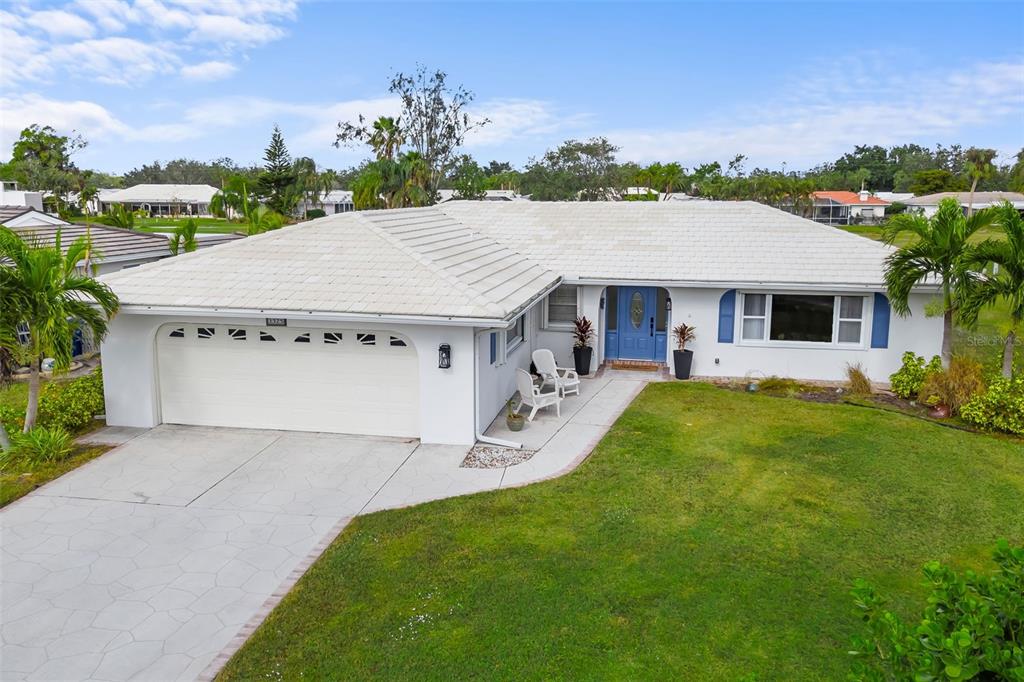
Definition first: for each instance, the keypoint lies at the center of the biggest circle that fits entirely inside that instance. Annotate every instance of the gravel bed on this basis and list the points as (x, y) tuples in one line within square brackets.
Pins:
[(495, 457)]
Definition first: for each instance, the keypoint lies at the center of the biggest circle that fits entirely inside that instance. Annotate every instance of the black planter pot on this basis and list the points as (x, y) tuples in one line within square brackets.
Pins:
[(683, 360), (582, 356)]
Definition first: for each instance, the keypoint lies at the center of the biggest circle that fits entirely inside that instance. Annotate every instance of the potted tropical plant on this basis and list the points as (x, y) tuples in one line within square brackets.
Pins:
[(512, 420), (582, 353), (682, 358)]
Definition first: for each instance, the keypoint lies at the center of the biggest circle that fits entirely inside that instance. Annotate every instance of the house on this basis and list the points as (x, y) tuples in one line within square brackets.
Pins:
[(928, 204), (10, 195), (113, 248), (894, 197), (162, 200), (446, 195), (834, 207), (412, 322), (24, 216), (335, 201)]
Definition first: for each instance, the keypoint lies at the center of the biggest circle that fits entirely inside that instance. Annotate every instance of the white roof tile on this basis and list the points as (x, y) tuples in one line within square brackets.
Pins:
[(159, 193), (487, 260)]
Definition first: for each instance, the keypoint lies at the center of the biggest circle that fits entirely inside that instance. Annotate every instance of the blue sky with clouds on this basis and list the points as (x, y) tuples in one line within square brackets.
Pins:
[(794, 83)]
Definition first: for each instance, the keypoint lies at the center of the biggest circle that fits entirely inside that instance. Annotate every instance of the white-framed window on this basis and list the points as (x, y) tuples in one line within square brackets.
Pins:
[(560, 307), (798, 318), (515, 334)]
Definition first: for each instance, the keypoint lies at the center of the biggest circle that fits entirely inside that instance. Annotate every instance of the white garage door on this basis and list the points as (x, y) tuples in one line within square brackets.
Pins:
[(340, 381)]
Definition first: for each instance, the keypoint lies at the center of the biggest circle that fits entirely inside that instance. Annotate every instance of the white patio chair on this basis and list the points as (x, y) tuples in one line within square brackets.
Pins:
[(529, 394), (565, 380)]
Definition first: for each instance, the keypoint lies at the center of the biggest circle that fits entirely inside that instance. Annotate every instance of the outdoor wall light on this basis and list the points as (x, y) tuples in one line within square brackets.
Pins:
[(444, 356), (668, 304)]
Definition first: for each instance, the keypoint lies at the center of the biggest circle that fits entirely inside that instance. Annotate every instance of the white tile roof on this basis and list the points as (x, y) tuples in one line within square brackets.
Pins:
[(156, 194), (486, 260), (414, 262), (712, 242)]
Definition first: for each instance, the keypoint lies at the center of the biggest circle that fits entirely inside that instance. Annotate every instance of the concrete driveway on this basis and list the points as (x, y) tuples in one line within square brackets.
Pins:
[(147, 562), (156, 560)]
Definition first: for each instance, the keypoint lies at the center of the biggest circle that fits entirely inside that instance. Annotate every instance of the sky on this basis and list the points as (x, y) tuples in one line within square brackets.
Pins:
[(789, 85)]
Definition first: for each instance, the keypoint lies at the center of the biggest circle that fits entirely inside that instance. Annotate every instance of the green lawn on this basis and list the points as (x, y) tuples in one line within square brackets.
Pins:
[(218, 225), (712, 535), (15, 483)]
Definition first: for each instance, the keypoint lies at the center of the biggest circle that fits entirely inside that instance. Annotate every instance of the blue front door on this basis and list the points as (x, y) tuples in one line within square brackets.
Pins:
[(636, 317)]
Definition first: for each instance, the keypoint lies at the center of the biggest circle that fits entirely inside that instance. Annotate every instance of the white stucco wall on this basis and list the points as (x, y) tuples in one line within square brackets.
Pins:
[(446, 396), (699, 307)]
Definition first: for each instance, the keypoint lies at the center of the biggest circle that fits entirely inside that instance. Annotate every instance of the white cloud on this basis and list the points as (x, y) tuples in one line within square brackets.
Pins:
[(208, 71), (834, 110), (518, 119), (61, 24), (137, 40)]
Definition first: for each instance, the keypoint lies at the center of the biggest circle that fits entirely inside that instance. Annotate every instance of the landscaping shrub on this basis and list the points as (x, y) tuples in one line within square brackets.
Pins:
[(12, 418), (954, 386), (906, 382), (971, 629), (43, 445), (315, 213), (1000, 408), (779, 386), (71, 405), (857, 381)]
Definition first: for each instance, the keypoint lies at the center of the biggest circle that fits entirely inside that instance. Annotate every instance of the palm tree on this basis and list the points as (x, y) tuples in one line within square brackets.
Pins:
[(1006, 282), (259, 218), (941, 250), (43, 289), (386, 138), (979, 167), (672, 176), (184, 238), (118, 215)]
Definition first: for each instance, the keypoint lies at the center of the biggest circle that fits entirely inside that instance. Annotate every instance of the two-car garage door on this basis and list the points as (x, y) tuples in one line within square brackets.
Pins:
[(340, 381)]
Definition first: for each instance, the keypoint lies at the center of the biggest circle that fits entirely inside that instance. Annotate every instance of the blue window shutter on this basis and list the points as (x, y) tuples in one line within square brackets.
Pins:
[(727, 316), (880, 322), (494, 347)]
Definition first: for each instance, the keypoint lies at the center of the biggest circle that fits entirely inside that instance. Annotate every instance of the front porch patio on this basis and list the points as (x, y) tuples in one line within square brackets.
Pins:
[(562, 442)]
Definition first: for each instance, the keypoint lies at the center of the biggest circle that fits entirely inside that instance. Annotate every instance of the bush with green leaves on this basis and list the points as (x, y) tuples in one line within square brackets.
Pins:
[(39, 446), (971, 629), (1000, 407), (71, 405), (315, 213), (908, 379)]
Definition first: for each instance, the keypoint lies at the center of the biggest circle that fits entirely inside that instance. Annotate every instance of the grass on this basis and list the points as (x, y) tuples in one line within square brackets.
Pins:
[(17, 483), (166, 224), (712, 535)]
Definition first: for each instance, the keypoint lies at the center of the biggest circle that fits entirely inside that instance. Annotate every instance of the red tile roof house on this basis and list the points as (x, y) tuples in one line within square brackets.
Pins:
[(845, 208), (413, 322)]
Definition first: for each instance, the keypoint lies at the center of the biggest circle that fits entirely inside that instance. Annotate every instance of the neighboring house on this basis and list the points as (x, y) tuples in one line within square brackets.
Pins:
[(846, 208), (335, 201), (10, 195), (893, 197), (412, 322), (162, 200), (446, 195), (113, 248), (928, 204), (23, 216)]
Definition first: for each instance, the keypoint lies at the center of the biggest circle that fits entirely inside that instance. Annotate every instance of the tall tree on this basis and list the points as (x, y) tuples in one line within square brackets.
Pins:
[(41, 161), (386, 138), (47, 293), (434, 120), (1004, 282), (979, 167), (940, 248), (277, 182), (468, 179), (575, 171)]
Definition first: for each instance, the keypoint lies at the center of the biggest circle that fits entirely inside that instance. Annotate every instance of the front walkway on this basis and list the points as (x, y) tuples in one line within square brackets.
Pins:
[(158, 559)]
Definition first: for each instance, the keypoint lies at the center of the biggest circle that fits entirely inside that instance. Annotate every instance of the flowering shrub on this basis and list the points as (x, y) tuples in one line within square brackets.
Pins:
[(908, 379), (1001, 407)]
